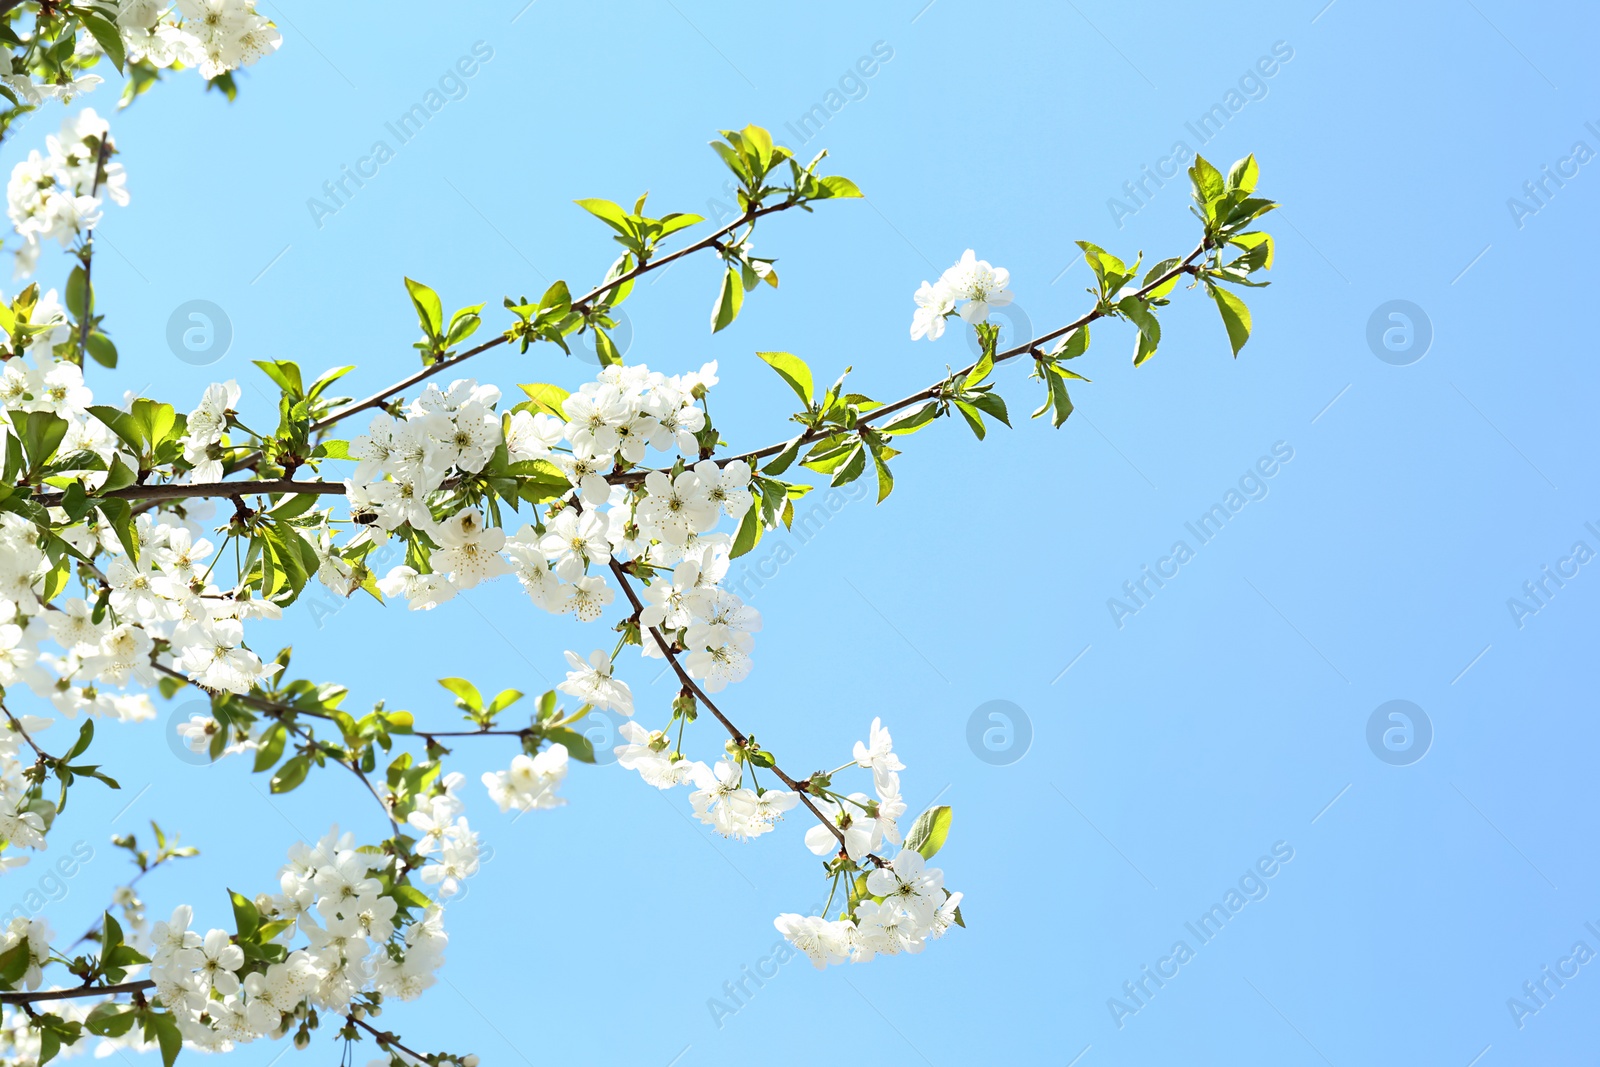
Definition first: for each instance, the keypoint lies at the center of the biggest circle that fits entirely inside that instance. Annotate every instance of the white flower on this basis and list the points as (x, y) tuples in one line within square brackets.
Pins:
[(531, 782), (823, 941), (878, 753), (727, 488), (574, 539), (422, 592), (886, 928), (677, 507), (861, 832), (469, 552), (593, 684), (646, 752), (716, 616), (934, 302), (220, 959), (719, 665), (587, 597), (593, 417), (979, 284), (909, 883), (532, 435), (532, 568)]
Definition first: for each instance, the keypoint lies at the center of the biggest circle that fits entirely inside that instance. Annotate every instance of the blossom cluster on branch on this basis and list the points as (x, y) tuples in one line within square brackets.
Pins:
[(617, 500)]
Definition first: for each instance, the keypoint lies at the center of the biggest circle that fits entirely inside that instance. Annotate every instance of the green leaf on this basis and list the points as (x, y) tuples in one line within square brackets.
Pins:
[(578, 746), (124, 425), (546, 398), (885, 479), (783, 459), (110, 1020), (81, 745), (749, 533), (245, 916), (1139, 313), (465, 691), (973, 417), (729, 300), (41, 433), (607, 212), (430, 313), (1235, 316), (162, 1028), (852, 467), (14, 964), (913, 421), (839, 187), (1073, 344), (271, 747), (1061, 399), (101, 350), (328, 377), (557, 298), (672, 223), (929, 831), (80, 295), (109, 39), (994, 405), (792, 369), (284, 374), (290, 775), (1207, 182), (1243, 174), (503, 700)]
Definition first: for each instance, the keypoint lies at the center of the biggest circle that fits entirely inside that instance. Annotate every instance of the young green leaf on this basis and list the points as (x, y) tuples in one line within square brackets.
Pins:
[(928, 833), (792, 369), (1235, 316)]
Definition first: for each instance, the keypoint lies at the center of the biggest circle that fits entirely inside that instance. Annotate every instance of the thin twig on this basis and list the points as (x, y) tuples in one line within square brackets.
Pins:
[(733, 731)]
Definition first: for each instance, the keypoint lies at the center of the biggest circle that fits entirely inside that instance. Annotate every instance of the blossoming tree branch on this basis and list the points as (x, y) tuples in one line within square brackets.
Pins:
[(139, 540)]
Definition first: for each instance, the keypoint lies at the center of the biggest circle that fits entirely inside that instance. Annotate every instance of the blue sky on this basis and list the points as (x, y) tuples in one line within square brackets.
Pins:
[(1411, 497)]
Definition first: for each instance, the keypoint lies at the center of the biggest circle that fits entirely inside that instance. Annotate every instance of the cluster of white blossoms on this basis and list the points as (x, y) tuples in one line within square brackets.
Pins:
[(20, 825), (206, 430), (721, 798), (906, 903), (449, 843), (215, 35), (661, 520), (973, 281), (36, 932), (165, 593), (353, 945), (55, 196), (531, 782)]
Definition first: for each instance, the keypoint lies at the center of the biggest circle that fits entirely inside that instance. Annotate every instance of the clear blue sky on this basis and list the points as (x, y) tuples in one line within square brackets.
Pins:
[(1229, 714)]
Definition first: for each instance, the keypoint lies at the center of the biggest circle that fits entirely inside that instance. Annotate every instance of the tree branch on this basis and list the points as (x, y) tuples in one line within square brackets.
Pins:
[(733, 731), (583, 302), (78, 993)]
